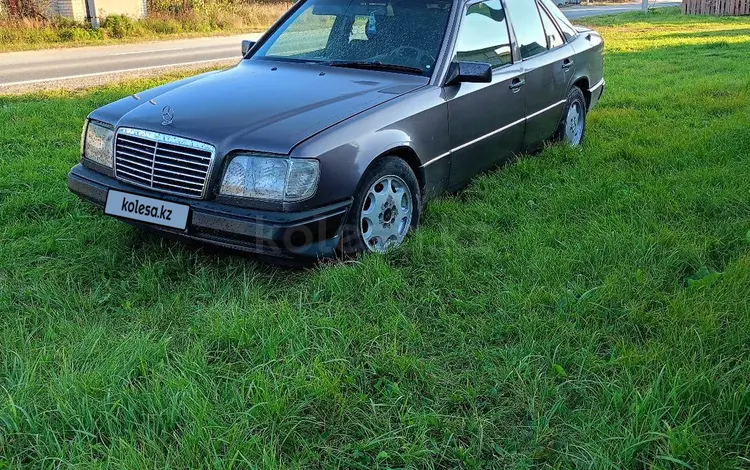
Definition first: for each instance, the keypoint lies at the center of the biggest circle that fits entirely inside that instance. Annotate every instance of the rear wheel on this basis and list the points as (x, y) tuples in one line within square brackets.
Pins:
[(572, 127), (387, 205)]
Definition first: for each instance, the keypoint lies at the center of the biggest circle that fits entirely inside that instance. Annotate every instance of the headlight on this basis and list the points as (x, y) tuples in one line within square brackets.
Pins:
[(271, 178), (97, 143)]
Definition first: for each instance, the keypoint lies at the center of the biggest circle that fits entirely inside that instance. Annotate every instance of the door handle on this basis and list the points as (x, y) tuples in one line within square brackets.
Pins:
[(567, 63), (516, 84)]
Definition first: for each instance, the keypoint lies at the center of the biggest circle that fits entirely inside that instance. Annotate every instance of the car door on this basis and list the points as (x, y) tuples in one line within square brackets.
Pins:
[(486, 119), (547, 63)]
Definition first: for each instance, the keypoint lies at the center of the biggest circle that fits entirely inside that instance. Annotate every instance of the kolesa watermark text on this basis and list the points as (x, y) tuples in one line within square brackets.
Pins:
[(136, 207)]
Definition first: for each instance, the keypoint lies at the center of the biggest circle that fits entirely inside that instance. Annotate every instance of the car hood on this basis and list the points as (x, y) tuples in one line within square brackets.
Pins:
[(260, 106)]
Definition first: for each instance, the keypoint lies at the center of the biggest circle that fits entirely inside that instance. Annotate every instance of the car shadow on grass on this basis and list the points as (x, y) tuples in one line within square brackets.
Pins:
[(150, 243)]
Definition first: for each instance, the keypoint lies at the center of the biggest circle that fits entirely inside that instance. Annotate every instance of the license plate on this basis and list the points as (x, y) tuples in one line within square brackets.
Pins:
[(146, 209)]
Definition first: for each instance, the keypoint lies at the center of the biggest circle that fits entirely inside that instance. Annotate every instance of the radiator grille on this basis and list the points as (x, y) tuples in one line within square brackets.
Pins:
[(162, 162)]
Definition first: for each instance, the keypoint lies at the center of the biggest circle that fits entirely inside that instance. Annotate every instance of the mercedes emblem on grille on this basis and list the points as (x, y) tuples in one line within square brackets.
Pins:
[(167, 115)]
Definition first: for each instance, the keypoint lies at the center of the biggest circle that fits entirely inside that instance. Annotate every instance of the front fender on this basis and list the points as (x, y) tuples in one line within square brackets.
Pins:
[(414, 127)]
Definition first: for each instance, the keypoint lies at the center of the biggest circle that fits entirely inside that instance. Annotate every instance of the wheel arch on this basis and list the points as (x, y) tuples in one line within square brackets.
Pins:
[(351, 242), (584, 84), (409, 155)]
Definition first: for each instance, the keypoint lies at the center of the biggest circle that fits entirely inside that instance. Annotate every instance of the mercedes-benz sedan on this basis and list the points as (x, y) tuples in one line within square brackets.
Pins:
[(335, 127)]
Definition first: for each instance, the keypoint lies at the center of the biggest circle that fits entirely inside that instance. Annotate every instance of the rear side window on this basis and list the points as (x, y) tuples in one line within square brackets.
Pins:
[(527, 24), (566, 27), (483, 36), (554, 38)]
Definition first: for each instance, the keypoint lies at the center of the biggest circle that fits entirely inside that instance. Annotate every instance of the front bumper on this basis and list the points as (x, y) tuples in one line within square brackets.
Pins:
[(310, 234)]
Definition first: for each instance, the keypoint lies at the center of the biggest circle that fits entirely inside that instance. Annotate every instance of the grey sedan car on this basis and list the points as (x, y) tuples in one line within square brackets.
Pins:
[(340, 122)]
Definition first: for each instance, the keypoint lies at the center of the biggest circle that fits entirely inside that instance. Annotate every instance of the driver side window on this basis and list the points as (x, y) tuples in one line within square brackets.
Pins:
[(484, 36)]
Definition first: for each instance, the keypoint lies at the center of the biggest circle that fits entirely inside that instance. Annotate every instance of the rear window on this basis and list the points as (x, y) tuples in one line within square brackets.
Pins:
[(553, 34), (566, 27)]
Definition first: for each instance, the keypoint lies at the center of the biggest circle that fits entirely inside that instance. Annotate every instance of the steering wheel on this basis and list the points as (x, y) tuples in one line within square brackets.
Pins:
[(414, 54)]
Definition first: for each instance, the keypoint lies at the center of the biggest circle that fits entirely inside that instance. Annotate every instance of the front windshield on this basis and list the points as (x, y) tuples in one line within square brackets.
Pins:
[(398, 33)]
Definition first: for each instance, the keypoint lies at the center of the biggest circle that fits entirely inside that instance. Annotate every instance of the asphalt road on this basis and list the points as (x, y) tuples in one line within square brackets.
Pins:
[(34, 67), (101, 63)]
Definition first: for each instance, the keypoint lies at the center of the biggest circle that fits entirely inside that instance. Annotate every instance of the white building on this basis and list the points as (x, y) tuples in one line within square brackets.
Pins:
[(80, 10)]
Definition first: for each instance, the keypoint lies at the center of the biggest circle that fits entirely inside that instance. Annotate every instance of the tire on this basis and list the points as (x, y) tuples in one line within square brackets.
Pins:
[(385, 215), (567, 132)]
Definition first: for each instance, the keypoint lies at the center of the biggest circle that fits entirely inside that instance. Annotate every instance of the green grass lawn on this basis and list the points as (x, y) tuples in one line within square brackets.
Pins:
[(582, 308)]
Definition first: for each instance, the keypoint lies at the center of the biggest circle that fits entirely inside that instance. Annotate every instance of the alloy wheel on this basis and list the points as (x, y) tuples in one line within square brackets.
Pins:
[(574, 122), (386, 214)]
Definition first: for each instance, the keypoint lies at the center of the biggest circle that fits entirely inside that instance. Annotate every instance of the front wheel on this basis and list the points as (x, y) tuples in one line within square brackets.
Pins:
[(572, 127), (387, 205)]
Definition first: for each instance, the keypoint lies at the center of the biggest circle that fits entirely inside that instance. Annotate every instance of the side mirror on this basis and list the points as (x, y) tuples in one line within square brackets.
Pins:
[(246, 45), (469, 72)]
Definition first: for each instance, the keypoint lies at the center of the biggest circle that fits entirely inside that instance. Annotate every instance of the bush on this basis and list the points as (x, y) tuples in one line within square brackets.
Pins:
[(119, 26), (226, 20), (194, 21), (174, 7), (65, 34), (162, 25), (61, 22), (40, 31), (62, 29), (84, 34)]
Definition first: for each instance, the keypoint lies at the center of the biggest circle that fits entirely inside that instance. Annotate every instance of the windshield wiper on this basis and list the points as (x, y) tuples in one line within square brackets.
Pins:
[(376, 65)]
